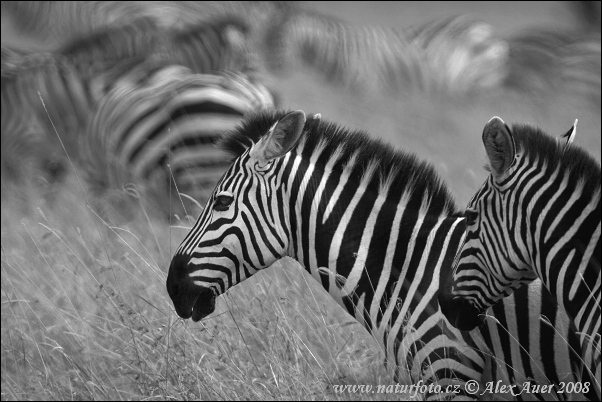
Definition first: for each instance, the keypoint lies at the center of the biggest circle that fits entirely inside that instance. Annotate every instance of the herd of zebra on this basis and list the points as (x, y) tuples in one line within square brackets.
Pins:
[(375, 226), (125, 103)]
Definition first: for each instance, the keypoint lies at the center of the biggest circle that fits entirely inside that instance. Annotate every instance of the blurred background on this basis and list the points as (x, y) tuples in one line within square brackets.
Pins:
[(85, 313), (527, 62)]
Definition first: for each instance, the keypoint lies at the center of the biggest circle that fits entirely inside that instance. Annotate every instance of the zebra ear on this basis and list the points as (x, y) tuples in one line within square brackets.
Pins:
[(281, 138), (569, 136), (499, 146)]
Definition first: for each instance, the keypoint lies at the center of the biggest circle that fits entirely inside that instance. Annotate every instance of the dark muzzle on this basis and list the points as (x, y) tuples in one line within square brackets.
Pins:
[(190, 300)]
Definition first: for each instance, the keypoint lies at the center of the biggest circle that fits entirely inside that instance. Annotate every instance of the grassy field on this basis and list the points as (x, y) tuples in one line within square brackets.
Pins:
[(85, 313)]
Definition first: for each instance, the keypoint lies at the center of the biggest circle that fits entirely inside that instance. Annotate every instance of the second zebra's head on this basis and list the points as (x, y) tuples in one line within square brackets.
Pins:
[(496, 257), (244, 226)]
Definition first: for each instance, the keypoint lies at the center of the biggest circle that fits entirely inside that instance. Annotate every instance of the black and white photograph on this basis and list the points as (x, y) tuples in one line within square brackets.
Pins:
[(301, 200)]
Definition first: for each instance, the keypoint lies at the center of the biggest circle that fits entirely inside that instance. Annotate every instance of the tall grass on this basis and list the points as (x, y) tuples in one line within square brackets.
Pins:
[(85, 315)]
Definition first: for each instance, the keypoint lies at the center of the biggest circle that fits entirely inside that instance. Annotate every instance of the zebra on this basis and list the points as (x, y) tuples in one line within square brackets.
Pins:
[(213, 46), (49, 75), (62, 20), (379, 231), (207, 47), (210, 47), (460, 54), (165, 129), (536, 216), (454, 55), (74, 79), (27, 77), (546, 62), (20, 142), (47, 103), (100, 50)]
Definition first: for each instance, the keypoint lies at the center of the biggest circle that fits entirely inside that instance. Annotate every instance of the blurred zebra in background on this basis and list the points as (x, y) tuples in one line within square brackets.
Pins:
[(26, 80), (163, 132), (457, 55), (47, 102), (74, 79), (546, 61), (453, 54), (185, 105), (60, 21), (63, 20), (70, 77), (99, 50), (206, 47), (211, 47), (22, 143)]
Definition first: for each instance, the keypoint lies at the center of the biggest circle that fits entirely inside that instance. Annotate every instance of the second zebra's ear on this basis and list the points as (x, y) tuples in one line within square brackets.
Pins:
[(499, 146), (569, 136), (281, 138)]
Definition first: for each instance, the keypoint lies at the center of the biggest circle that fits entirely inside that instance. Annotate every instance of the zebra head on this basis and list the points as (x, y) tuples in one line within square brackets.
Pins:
[(243, 227), (495, 258)]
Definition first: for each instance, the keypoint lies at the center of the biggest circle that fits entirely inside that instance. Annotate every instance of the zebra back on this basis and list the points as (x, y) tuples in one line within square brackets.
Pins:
[(360, 58), (164, 130), (61, 20), (209, 47), (98, 51), (453, 55)]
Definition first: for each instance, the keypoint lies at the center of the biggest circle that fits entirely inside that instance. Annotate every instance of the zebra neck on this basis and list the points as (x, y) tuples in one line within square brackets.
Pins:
[(573, 277), (566, 257), (377, 257)]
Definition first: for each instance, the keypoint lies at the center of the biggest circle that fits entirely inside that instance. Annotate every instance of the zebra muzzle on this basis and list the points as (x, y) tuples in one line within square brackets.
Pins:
[(189, 299), (193, 302)]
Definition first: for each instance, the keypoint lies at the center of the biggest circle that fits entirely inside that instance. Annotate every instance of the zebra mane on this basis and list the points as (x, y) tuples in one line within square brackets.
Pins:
[(580, 165), (395, 171)]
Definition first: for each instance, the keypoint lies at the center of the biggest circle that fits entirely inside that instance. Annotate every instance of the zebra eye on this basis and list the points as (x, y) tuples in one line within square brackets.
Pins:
[(471, 216), (222, 201)]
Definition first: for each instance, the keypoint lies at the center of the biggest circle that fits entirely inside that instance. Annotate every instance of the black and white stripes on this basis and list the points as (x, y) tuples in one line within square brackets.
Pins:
[(536, 216), (167, 128), (377, 229)]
